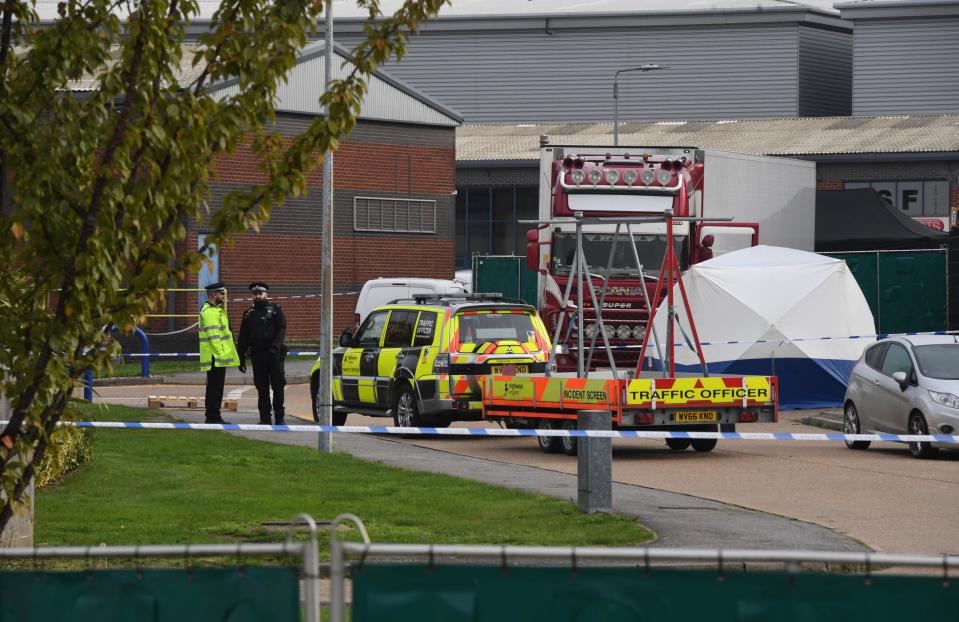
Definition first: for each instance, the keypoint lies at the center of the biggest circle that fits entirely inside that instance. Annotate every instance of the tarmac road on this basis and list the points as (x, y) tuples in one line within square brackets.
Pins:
[(744, 494)]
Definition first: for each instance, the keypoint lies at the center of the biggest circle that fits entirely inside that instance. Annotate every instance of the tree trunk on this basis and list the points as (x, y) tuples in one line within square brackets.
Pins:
[(19, 529)]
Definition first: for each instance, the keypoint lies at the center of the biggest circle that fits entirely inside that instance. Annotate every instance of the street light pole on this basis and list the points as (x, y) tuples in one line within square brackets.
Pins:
[(644, 69), (325, 398)]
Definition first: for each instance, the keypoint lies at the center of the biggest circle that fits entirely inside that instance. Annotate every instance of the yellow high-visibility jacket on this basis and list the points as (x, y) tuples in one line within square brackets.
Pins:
[(216, 340)]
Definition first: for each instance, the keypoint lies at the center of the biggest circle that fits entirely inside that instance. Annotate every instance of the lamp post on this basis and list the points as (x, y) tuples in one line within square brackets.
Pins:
[(324, 399), (644, 69)]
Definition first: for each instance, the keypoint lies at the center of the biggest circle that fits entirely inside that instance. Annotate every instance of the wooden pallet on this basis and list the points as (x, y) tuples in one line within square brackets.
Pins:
[(183, 401)]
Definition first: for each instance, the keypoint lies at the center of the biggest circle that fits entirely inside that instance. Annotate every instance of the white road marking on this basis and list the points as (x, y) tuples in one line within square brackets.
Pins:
[(237, 393)]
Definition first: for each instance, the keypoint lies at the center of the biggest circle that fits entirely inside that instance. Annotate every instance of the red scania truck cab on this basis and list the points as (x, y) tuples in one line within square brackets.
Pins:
[(635, 182)]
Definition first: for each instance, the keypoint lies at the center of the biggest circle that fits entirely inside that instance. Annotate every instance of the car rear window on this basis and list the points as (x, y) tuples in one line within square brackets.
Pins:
[(939, 360), (481, 327), (874, 355)]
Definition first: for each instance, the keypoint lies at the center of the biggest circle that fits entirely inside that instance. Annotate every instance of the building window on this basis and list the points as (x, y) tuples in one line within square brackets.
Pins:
[(486, 221), (394, 215)]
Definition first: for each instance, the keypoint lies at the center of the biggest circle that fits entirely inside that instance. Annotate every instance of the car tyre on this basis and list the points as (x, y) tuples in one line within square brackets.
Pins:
[(678, 444), (549, 444), (314, 387), (405, 410), (852, 425), (920, 449), (569, 444)]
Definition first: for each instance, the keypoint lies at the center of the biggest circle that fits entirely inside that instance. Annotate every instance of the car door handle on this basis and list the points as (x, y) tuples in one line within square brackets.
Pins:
[(875, 382)]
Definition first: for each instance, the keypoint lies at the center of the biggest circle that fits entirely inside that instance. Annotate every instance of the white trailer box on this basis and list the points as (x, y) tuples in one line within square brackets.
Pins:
[(777, 193)]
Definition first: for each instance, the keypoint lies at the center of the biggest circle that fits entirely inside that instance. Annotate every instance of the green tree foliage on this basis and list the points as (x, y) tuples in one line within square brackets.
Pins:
[(98, 186)]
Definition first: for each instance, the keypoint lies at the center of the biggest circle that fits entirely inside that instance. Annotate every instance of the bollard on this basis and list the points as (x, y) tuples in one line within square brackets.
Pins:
[(88, 386), (595, 463), (145, 348)]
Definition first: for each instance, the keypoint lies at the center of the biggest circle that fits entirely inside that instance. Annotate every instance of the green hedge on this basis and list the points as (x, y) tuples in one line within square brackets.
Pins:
[(69, 449)]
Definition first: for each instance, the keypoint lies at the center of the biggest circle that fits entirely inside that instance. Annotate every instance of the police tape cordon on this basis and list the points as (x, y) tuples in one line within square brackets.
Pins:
[(428, 431)]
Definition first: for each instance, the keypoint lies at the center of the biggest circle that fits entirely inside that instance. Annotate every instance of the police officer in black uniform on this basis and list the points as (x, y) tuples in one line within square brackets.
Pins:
[(262, 332)]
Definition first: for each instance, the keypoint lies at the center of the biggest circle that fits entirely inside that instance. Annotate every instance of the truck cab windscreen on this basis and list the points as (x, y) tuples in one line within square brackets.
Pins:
[(650, 247)]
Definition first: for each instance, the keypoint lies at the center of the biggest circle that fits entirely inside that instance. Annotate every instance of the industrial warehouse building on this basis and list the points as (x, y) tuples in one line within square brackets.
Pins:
[(393, 195), (869, 90)]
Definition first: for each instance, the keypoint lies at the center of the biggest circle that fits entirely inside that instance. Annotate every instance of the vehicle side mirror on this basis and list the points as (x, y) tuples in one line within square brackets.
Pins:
[(902, 378), (346, 338), (532, 250)]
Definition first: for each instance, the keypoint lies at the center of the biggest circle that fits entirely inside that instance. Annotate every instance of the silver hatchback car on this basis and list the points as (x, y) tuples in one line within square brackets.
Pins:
[(905, 385)]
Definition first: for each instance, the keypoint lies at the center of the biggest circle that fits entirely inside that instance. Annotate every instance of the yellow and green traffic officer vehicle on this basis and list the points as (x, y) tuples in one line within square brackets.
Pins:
[(419, 360)]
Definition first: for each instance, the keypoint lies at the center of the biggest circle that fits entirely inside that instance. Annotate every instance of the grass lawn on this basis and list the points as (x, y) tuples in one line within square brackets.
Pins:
[(170, 487)]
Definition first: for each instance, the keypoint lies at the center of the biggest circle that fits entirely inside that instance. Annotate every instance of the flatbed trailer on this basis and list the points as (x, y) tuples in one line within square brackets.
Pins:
[(635, 400), (694, 404)]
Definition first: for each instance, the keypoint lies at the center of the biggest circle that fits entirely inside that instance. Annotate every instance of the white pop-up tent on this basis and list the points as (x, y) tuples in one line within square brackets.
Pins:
[(769, 310)]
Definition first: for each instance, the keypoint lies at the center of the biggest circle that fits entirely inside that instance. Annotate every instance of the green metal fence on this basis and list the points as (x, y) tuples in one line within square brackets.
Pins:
[(906, 290), (483, 583), (242, 594), (506, 274), (239, 593), (394, 593)]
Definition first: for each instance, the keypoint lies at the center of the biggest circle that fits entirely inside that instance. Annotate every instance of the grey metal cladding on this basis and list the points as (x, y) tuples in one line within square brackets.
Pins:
[(906, 66), (299, 216), (379, 132), (528, 76), (385, 99), (404, 134), (825, 72)]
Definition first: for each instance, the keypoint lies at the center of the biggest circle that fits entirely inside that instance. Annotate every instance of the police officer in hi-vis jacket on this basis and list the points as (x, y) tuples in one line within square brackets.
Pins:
[(217, 351), (262, 332)]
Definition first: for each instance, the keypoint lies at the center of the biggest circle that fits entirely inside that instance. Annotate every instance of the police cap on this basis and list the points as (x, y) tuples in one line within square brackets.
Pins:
[(215, 287), (259, 287)]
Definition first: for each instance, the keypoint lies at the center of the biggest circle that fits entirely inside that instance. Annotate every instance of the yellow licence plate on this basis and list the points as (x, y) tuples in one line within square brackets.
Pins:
[(509, 370), (696, 416)]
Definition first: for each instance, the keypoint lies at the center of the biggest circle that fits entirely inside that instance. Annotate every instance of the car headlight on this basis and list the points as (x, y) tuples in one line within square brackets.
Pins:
[(946, 399)]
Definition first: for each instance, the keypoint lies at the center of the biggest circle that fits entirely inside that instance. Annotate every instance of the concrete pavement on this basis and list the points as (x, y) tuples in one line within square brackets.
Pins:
[(297, 372)]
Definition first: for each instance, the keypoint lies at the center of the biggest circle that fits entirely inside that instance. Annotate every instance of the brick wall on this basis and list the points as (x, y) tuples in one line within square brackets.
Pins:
[(292, 271), (286, 253)]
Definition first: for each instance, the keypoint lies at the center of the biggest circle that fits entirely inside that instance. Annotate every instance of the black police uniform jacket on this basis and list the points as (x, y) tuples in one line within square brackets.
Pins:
[(262, 330)]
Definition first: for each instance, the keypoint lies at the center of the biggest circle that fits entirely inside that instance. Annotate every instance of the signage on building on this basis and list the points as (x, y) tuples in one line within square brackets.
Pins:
[(925, 201), (935, 222)]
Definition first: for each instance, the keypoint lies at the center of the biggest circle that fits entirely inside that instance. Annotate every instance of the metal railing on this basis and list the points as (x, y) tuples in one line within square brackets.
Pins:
[(307, 551)]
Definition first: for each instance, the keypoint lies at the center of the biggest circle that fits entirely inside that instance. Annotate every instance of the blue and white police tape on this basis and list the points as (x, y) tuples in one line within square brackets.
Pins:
[(780, 341), (500, 432), (785, 340), (296, 296), (185, 355)]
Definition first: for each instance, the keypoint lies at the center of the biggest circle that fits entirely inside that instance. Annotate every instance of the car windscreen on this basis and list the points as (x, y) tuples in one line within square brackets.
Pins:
[(482, 327), (940, 361)]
